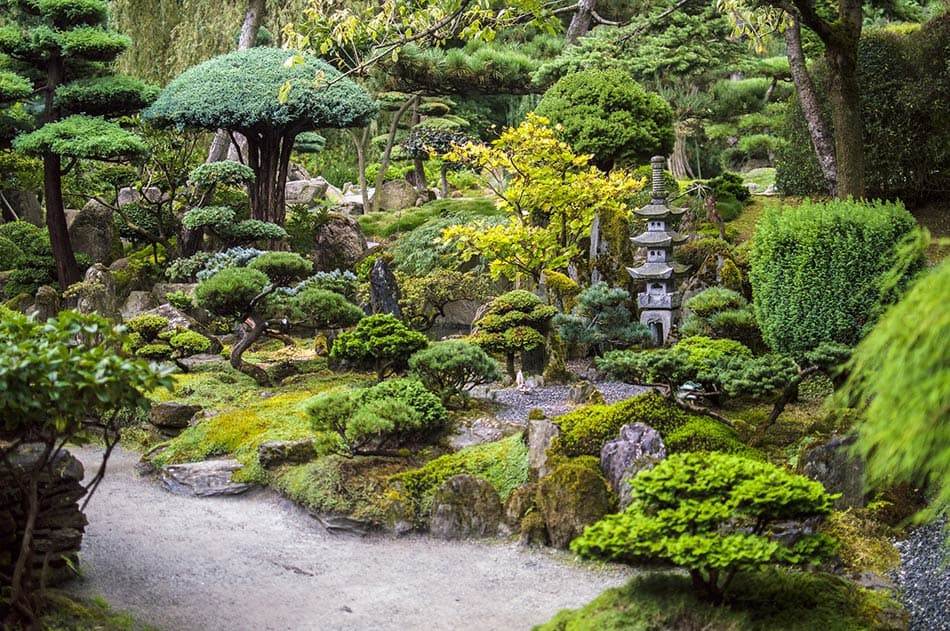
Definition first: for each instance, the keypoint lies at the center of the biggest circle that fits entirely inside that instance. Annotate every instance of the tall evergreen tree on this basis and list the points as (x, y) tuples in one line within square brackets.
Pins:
[(64, 49)]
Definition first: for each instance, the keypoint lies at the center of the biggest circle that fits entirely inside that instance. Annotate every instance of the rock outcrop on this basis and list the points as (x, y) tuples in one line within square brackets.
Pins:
[(203, 479), (338, 243), (639, 447), (93, 233), (465, 507)]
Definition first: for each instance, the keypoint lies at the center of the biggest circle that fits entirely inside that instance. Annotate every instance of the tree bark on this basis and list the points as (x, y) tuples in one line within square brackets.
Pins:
[(387, 152), (250, 335), (360, 140), (821, 139), (581, 21)]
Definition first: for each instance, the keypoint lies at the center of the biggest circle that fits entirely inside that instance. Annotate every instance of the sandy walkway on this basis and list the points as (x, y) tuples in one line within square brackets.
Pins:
[(256, 562)]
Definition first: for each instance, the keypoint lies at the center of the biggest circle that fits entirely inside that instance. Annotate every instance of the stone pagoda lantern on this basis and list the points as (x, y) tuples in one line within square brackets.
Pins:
[(659, 301)]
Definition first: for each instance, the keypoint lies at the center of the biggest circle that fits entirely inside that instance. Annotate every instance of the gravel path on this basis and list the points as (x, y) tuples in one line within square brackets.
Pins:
[(257, 562), (924, 577), (516, 404)]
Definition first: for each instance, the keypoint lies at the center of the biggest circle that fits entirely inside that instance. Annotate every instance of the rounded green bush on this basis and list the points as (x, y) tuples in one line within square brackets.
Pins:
[(608, 114), (380, 341), (221, 172), (10, 254), (816, 270), (230, 291), (250, 230), (326, 309), (452, 368), (155, 351), (714, 299), (148, 325), (216, 218), (27, 237), (706, 435), (188, 343), (282, 268)]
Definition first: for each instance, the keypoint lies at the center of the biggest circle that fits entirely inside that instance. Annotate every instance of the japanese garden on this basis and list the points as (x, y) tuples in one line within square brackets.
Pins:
[(439, 314)]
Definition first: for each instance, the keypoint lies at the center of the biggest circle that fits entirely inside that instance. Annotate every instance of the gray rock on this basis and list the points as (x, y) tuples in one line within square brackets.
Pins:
[(838, 470), (338, 243), (160, 291), (203, 479), (304, 192), (485, 429), (639, 447), (540, 435), (46, 304), (397, 195), (274, 453), (93, 233), (202, 360), (465, 507), (97, 293), (584, 392), (26, 205), (172, 416), (129, 195), (136, 303), (459, 313), (383, 289), (296, 172)]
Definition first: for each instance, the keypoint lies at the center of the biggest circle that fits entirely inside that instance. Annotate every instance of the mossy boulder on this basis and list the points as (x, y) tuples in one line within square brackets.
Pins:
[(521, 502), (572, 497), (464, 507)]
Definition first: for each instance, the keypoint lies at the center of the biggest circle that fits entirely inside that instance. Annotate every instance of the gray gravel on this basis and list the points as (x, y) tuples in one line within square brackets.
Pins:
[(515, 404), (257, 562), (924, 577)]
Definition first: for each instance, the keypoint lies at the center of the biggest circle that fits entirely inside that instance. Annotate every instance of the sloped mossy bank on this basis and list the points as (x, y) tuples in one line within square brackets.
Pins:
[(763, 601)]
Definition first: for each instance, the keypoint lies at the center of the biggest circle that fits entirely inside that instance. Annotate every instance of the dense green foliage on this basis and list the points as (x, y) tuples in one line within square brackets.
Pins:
[(282, 268), (816, 270), (324, 309), (601, 319), (690, 359), (515, 322), (230, 291), (452, 368), (379, 341), (380, 419), (710, 513), (607, 114), (899, 371)]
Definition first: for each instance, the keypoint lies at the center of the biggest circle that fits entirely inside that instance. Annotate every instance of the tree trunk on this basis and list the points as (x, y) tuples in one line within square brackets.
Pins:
[(821, 139), (253, 16), (250, 335), (67, 270), (360, 140), (387, 152), (444, 179), (581, 21), (846, 115), (679, 159)]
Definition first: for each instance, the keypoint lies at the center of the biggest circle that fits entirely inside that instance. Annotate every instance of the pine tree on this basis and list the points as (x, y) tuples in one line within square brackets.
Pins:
[(64, 49)]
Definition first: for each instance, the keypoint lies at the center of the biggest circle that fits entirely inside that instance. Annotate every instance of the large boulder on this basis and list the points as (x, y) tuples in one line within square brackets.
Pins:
[(304, 192), (93, 233), (540, 435), (571, 498), (833, 464), (203, 479), (397, 195), (465, 507), (136, 303), (383, 289), (46, 304), (96, 294), (178, 319), (639, 447), (26, 205), (338, 243), (459, 313), (170, 417), (583, 393)]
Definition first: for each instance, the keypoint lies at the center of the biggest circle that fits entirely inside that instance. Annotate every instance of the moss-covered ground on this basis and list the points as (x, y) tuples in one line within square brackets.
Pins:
[(67, 613)]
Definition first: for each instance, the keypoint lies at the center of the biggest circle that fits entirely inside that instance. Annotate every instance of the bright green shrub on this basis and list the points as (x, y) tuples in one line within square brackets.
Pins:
[(251, 230), (97, 96), (214, 218), (691, 359), (222, 172), (282, 268), (602, 319), (230, 291), (380, 341), (156, 351), (10, 254), (816, 270), (706, 435), (609, 115), (325, 309), (29, 238), (450, 369), (180, 300), (515, 322), (148, 325), (187, 343), (585, 430), (710, 514), (714, 299)]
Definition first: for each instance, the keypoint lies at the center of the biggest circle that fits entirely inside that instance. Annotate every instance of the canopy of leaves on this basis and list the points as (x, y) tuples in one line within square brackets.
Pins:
[(711, 514), (817, 268), (900, 381), (239, 91), (452, 368), (324, 309), (230, 292), (98, 96), (379, 340), (221, 172), (514, 322), (608, 115), (82, 137)]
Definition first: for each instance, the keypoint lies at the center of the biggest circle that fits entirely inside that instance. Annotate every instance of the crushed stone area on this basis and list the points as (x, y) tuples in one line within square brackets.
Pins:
[(924, 577)]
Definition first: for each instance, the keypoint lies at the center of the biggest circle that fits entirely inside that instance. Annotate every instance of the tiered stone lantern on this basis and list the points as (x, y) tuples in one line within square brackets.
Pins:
[(659, 302)]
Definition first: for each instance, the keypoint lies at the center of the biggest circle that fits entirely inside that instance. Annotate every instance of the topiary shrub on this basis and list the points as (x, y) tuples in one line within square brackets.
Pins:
[(714, 299), (229, 293), (187, 343), (325, 309), (706, 435), (155, 350), (452, 368), (380, 341), (282, 268), (148, 325), (721, 312), (816, 270), (585, 430), (515, 322), (377, 420), (601, 319), (712, 515), (607, 114)]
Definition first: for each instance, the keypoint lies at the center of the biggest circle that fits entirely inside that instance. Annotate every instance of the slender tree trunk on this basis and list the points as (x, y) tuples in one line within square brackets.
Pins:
[(253, 16), (418, 168), (580, 23), (67, 270), (387, 152), (359, 140), (679, 159), (846, 115), (821, 139), (250, 335)]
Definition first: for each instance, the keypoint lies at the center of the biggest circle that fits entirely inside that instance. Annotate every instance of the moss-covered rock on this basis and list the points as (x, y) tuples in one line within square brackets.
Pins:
[(571, 498), (521, 502), (465, 506)]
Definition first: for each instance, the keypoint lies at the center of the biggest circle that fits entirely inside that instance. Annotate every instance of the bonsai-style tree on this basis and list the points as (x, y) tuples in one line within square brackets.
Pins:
[(601, 319), (452, 368), (516, 322), (712, 514), (608, 114), (62, 380), (427, 140), (380, 341), (250, 296), (64, 48), (269, 96)]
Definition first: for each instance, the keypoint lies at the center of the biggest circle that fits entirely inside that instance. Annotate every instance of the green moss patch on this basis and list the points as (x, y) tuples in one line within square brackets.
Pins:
[(387, 224), (765, 601), (66, 613)]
